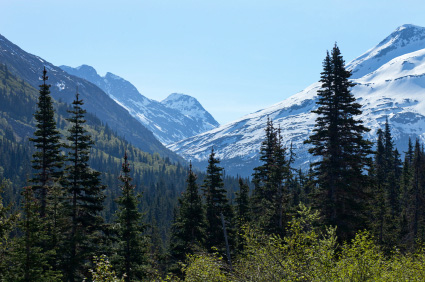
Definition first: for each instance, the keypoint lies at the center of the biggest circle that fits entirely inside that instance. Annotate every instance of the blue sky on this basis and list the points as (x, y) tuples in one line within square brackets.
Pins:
[(234, 56)]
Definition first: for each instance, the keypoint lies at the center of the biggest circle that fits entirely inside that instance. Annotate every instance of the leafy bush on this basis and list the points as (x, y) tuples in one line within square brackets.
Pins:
[(307, 254), (103, 271)]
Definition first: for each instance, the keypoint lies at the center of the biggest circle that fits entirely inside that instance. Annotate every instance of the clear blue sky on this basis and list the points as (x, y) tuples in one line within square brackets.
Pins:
[(234, 56)]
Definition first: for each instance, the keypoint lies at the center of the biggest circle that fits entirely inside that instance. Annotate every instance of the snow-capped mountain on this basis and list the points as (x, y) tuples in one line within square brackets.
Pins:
[(390, 83), (29, 68), (177, 117), (191, 108)]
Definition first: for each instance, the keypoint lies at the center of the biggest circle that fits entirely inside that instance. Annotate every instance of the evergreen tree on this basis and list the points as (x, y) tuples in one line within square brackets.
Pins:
[(308, 186), (406, 180), (47, 161), (283, 180), (157, 256), (243, 211), (216, 204), (56, 225), (8, 221), (386, 172), (379, 203), (271, 179), (416, 198), (265, 189), (188, 230), (393, 171), (131, 251), (338, 140), (242, 204), (293, 181), (30, 261), (85, 193)]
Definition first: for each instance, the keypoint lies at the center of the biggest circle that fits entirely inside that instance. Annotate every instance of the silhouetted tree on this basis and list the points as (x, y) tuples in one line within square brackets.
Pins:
[(132, 249), (344, 154), (188, 230), (216, 203), (47, 160), (85, 193)]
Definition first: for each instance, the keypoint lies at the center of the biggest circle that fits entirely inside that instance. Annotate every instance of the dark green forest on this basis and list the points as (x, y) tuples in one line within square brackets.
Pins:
[(80, 203)]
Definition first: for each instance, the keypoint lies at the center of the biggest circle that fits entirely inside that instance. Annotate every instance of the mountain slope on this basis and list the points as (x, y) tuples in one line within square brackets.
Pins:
[(18, 102), (191, 108), (405, 39), (390, 82), (29, 68), (177, 117)]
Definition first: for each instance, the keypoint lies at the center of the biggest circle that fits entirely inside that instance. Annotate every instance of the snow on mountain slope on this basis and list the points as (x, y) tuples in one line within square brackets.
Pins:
[(392, 85), (177, 117), (191, 108), (405, 39)]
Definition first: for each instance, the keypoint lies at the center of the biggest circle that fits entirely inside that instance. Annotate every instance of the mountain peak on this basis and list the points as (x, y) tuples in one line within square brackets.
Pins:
[(405, 35), (87, 69), (405, 39), (190, 107), (182, 102), (110, 75), (177, 96), (408, 26)]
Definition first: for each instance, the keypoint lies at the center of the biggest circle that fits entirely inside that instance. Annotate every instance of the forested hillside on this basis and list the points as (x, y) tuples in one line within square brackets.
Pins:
[(18, 102), (160, 180), (29, 67)]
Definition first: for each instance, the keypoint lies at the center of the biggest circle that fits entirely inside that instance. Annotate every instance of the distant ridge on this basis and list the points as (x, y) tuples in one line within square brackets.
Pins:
[(29, 67), (178, 117)]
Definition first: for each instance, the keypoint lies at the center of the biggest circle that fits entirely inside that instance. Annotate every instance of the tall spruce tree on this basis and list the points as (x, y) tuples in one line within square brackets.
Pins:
[(216, 203), (338, 140), (385, 203), (271, 179), (262, 177), (416, 198), (47, 163), (85, 194), (393, 171), (132, 244), (47, 160), (188, 230)]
